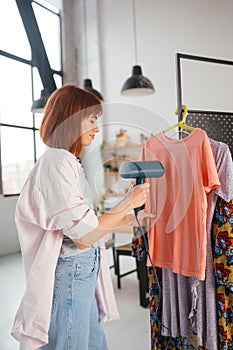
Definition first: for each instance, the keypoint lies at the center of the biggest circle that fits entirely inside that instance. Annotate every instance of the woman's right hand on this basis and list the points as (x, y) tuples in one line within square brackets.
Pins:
[(137, 195)]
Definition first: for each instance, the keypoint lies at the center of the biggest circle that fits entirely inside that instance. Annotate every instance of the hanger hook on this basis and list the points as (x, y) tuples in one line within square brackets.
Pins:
[(184, 112)]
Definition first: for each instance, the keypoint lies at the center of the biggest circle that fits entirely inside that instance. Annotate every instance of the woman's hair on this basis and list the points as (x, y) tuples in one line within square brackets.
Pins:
[(64, 110)]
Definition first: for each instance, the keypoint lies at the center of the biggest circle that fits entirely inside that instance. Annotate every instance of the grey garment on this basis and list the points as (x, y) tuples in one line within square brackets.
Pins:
[(188, 302)]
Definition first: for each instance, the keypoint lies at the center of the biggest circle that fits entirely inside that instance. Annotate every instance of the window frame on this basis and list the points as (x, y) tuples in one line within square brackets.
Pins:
[(23, 12)]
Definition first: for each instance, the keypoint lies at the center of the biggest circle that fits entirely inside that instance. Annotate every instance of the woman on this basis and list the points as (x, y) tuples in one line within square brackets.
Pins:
[(60, 234)]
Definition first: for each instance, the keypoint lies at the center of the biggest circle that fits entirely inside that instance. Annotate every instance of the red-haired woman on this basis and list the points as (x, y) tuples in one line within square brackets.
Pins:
[(61, 236)]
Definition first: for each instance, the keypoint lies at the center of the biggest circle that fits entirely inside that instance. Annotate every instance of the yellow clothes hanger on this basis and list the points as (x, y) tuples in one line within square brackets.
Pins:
[(181, 124)]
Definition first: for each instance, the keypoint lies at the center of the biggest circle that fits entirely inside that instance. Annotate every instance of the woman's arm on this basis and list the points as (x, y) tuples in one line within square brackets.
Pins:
[(116, 216)]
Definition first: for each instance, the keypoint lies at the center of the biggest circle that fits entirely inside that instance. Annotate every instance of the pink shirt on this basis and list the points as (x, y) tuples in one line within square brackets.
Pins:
[(41, 220), (177, 237)]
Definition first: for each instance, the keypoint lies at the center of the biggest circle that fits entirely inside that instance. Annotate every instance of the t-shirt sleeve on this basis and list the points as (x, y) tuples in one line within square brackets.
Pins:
[(65, 207), (225, 172), (210, 175)]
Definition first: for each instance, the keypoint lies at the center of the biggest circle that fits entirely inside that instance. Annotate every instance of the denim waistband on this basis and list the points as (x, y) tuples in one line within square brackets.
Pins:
[(86, 252)]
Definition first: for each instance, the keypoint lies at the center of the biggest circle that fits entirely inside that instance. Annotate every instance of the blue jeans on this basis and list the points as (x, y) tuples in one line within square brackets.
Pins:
[(74, 321)]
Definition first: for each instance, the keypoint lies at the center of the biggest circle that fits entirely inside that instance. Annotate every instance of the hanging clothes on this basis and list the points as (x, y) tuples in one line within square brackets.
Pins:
[(158, 341), (223, 268), (177, 238), (195, 302), (184, 294)]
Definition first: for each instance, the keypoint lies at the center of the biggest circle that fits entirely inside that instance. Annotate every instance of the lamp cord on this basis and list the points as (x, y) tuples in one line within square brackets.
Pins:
[(85, 35), (135, 32), (156, 280)]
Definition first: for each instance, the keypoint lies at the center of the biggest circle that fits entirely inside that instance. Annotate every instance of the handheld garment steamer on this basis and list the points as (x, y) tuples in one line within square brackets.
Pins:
[(140, 171)]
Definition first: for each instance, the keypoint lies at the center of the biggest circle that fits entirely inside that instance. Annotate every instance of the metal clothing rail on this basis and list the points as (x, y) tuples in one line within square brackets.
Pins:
[(208, 112), (182, 56), (218, 125)]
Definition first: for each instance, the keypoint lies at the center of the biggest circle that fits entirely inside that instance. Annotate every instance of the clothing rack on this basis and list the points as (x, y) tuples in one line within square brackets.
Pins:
[(218, 125)]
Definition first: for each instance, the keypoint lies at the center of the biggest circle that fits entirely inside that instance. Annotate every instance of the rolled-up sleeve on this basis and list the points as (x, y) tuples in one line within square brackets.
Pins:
[(83, 226)]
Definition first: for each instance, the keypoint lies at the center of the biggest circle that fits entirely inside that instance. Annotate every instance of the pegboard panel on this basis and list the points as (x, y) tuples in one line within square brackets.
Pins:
[(218, 127)]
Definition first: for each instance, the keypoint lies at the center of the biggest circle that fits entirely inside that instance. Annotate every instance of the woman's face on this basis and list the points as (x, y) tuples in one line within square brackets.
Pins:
[(89, 127)]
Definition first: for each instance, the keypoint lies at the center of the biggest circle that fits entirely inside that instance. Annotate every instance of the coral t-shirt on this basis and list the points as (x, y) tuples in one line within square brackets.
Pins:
[(177, 237)]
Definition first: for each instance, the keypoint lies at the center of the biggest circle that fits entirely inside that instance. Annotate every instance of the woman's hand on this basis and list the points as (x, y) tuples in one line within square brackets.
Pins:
[(117, 216), (137, 195), (142, 215)]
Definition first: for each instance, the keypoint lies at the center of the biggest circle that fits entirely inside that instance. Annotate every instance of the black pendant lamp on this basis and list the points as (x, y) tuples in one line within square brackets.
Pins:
[(87, 84), (137, 84)]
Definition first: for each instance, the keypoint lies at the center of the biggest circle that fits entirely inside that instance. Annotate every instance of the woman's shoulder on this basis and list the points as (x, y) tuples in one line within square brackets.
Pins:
[(58, 156), (53, 164)]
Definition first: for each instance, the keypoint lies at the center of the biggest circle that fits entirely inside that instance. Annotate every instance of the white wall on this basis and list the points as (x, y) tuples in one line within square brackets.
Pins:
[(8, 237), (164, 27)]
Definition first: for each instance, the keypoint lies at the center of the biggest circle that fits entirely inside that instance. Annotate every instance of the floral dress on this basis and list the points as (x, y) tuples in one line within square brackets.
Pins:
[(223, 271), (223, 268), (158, 341)]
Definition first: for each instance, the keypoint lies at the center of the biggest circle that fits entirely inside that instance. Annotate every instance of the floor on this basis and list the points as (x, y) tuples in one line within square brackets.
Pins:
[(130, 332)]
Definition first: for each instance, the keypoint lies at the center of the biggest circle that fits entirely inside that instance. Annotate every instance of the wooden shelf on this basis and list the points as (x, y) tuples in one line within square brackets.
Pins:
[(115, 146), (109, 195), (111, 173), (113, 155), (126, 159)]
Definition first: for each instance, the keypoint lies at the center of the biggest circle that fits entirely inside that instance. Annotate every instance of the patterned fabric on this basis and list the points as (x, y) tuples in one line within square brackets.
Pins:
[(139, 242), (158, 341), (181, 299), (223, 267)]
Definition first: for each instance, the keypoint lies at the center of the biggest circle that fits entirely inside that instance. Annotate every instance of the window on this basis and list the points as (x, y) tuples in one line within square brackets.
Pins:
[(20, 84)]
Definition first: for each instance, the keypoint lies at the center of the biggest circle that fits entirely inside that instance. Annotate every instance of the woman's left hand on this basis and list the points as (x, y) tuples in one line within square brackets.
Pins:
[(130, 219), (142, 215)]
